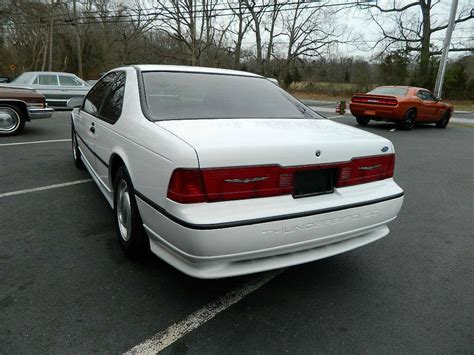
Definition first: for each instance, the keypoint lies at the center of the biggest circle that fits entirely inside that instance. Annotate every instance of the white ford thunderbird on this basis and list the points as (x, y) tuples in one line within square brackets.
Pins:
[(222, 173)]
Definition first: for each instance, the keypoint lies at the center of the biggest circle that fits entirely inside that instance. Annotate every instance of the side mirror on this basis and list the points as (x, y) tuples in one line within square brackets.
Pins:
[(75, 102)]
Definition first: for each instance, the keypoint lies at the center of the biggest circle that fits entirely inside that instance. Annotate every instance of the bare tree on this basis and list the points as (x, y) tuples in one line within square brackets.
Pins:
[(190, 23), (243, 24), (403, 27), (274, 15), (257, 12), (309, 30)]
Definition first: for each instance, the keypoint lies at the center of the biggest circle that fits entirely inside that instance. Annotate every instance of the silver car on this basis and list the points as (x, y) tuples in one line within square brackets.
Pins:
[(57, 87)]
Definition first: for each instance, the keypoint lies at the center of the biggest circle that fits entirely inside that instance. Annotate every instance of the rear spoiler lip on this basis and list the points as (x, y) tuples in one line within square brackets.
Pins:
[(376, 95)]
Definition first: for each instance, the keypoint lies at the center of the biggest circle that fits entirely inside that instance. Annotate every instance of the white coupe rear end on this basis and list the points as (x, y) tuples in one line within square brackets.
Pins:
[(230, 175)]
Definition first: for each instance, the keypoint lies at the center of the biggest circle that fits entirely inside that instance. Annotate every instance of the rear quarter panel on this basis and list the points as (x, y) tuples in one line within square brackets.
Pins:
[(149, 152)]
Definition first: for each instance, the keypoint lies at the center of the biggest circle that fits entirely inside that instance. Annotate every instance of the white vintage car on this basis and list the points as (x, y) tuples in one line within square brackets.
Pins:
[(222, 173)]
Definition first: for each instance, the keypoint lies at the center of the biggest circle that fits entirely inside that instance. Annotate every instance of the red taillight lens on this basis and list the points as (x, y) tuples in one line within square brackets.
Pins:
[(246, 182), (225, 184), (364, 170), (186, 186)]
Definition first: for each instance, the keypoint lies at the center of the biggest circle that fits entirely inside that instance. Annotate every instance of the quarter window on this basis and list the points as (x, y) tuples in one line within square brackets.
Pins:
[(111, 108), (68, 81), (426, 95), (97, 94)]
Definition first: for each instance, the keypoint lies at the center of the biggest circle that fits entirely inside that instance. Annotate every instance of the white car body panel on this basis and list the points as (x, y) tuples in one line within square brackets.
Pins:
[(220, 239), (287, 142)]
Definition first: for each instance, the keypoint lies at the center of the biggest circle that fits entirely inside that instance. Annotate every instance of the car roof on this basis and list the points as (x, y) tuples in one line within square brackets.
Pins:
[(402, 86), (190, 69), (49, 72)]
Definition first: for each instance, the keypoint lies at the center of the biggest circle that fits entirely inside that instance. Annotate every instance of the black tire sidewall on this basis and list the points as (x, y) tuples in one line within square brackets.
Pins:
[(406, 125), (444, 121), (138, 244), (363, 121), (20, 117), (75, 147)]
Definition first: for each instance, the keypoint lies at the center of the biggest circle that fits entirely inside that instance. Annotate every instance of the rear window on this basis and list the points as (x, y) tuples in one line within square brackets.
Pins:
[(65, 80), (178, 95), (384, 90), (24, 78)]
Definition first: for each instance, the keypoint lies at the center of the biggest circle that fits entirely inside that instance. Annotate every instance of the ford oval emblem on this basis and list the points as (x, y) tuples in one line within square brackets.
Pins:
[(318, 153), (384, 149)]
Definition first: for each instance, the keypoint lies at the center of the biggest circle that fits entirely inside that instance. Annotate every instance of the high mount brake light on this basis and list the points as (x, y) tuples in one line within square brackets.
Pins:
[(237, 183), (379, 101)]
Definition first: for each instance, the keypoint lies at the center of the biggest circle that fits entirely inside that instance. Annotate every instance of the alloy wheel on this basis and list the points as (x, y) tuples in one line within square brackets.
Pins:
[(9, 120), (124, 210)]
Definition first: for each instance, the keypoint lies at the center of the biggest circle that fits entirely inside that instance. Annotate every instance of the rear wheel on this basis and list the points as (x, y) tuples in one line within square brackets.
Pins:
[(11, 120), (76, 153), (363, 121), (409, 120), (443, 122), (130, 232)]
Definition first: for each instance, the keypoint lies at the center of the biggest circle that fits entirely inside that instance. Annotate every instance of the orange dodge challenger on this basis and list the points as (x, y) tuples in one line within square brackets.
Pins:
[(402, 104)]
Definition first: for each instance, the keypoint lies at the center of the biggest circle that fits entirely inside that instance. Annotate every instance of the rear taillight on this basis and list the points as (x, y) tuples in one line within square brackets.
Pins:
[(369, 100), (186, 186), (225, 184), (364, 170)]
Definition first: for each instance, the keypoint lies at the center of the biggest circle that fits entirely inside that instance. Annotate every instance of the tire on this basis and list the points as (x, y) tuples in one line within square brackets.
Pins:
[(76, 153), (130, 232), (363, 121), (443, 122), (409, 120), (12, 121)]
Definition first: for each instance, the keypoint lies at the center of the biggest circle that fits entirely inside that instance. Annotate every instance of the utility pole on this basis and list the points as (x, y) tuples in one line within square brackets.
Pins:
[(444, 56), (78, 41), (51, 25)]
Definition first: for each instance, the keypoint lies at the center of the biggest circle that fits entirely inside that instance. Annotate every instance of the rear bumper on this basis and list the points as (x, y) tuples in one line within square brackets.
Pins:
[(378, 112), (256, 247), (37, 113)]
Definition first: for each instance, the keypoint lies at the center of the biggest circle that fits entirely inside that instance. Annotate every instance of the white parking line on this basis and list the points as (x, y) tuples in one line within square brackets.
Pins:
[(176, 331), (35, 142), (42, 188)]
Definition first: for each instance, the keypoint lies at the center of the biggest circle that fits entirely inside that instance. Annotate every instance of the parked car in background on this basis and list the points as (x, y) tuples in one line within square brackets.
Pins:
[(4, 79), (57, 87), (223, 173), (404, 105), (17, 106)]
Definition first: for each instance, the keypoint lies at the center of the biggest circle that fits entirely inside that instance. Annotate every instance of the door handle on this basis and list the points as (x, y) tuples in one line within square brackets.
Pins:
[(92, 129)]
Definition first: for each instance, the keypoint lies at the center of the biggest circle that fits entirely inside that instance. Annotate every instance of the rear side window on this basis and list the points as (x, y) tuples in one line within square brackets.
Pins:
[(425, 95), (97, 94), (68, 81), (111, 108), (46, 80), (384, 90)]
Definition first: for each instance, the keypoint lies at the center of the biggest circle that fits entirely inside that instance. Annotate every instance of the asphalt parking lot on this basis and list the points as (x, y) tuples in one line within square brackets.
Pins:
[(65, 286)]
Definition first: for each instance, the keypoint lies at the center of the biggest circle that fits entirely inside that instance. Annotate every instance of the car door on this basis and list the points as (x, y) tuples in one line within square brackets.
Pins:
[(436, 109), (47, 85), (87, 117), (429, 105), (105, 135), (71, 87)]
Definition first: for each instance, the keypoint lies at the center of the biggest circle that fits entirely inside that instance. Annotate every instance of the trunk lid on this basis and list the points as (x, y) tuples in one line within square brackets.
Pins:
[(287, 142)]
